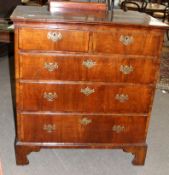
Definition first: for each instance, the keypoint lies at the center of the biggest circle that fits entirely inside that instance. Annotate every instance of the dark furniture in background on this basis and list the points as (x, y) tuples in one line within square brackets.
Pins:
[(34, 2), (6, 34), (133, 5), (6, 8), (157, 9), (41, 2)]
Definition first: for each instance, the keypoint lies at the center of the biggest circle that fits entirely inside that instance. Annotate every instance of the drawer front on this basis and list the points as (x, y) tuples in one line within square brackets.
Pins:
[(53, 40), (82, 129), (122, 41), (85, 98), (85, 68)]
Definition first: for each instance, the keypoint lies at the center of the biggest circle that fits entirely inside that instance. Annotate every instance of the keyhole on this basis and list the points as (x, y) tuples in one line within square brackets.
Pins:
[(126, 38)]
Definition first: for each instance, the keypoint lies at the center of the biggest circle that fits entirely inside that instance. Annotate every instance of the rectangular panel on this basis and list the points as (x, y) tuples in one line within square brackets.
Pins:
[(128, 41), (85, 98), (82, 128), (53, 40), (88, 68)]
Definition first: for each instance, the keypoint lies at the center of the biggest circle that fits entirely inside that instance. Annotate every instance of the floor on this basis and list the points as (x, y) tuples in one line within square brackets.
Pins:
[(84, 162)]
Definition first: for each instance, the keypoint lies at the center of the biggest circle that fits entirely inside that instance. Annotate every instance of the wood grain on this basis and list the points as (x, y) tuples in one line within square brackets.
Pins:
[(143, 42), (105, 68), (69, 98), (37, 39), (24, 148), (59, 5), (69, 128), (61, 102)]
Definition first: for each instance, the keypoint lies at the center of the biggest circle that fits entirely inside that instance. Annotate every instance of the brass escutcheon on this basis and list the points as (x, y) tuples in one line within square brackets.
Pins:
[(126, 40), (49, 127), (89, 63), (85, 121), (87, 91), (49, 96), (118, 128), (121, 97), (51, 66), (54, 36), (125, 69)]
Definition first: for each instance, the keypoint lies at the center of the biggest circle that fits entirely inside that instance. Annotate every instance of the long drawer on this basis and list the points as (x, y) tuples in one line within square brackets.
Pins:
[(128, 41), (82, 128), (53, 40), (114, 68), (98, 97)]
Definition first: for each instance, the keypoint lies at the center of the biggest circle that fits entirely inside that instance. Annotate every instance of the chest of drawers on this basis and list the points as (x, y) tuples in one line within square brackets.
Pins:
[(84, 81)]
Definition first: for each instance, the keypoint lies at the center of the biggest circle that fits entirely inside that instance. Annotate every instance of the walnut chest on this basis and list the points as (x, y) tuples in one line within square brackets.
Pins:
[(84, 79)]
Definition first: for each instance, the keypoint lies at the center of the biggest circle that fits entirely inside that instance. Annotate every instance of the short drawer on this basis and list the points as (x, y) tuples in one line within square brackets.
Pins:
[(88, 68), (89, 97), (128, 41), (82, 128), (53, 40)]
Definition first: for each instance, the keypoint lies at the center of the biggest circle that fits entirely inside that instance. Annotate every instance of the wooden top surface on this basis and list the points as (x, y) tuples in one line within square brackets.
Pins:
[(117, 17)]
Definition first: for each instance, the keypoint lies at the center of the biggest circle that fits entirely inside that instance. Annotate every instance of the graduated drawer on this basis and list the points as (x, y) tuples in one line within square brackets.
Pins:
[(88, 68), (53, 40), (98, 97), (128, 41), (82, 128)]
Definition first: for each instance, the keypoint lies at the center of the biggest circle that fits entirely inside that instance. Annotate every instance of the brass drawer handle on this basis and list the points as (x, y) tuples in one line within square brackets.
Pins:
[(122, 97), (87, 91), (54, 36), (126, 40), (49, 96), (118, 128), (89, 63), (85, 121), (51, 66), (125, 69), (49, 127)]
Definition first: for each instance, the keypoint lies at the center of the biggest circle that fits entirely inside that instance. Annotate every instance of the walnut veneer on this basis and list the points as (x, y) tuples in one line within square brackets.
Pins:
[(84, 79)]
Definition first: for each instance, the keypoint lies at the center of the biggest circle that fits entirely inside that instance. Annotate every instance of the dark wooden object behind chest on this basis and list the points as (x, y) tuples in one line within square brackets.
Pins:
[(6, 8), (84, 79)]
